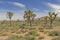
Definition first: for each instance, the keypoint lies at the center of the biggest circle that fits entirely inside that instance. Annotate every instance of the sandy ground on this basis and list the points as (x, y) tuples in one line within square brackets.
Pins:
[(41, 34)]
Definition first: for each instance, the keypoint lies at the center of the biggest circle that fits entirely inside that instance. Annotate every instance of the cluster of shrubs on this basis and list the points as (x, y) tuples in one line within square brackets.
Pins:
[(31, 35), (54, 33), (56, 38)]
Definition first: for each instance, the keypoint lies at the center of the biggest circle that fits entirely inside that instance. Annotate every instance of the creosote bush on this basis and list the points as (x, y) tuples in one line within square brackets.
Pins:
[(56, 38), (54, 33)]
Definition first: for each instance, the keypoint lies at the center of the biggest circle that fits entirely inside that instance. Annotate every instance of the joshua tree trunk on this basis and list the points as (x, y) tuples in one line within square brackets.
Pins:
[(51, 23), (30, 24), (9, 15), (10, 22)]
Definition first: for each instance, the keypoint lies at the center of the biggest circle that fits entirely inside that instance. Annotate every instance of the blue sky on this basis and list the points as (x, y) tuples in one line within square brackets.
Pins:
[(40, 7)]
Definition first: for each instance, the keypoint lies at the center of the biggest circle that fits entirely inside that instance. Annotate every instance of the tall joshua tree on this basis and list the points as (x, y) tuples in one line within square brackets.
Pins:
[(9, 15), (52, 17), (29, 16)]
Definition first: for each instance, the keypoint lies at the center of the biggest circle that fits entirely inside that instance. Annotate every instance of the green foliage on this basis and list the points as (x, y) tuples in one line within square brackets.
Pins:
[(29, 38), (54, 33), (3, 34), (22, 31), (52, 17), (32, 33), (9, 15), (29, 16), (41, 37), (56, 38), (15, 38), (23, 27), (41, 29)]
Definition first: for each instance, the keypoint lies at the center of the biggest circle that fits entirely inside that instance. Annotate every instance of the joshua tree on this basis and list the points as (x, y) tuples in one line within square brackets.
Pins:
[(52, 17), (29, 16), (9, 15)]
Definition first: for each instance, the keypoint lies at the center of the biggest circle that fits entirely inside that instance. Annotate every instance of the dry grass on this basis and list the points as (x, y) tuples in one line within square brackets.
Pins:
[(22, 33)]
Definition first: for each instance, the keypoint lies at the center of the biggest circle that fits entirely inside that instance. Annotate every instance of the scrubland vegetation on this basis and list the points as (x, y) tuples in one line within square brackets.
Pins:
[(31, 28)]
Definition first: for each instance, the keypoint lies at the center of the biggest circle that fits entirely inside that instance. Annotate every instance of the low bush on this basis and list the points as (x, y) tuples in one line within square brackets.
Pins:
[(54, 33)]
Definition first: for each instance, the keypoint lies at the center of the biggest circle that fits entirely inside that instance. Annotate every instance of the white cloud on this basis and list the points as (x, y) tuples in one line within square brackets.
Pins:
[(58, 0), (18, 14), (15, 3), (55, 8), (19, 4), (35, 9)]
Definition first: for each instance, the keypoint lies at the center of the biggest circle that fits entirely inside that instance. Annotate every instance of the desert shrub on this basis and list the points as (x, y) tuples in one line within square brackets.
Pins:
[(46, 32), (15, 38), (21, 38), (41, 37), (3, 34), (54, 33), (22, 31), (22, 27), (29, 37), (32, 33), (56, 38), (32, 28), (41, 29)]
